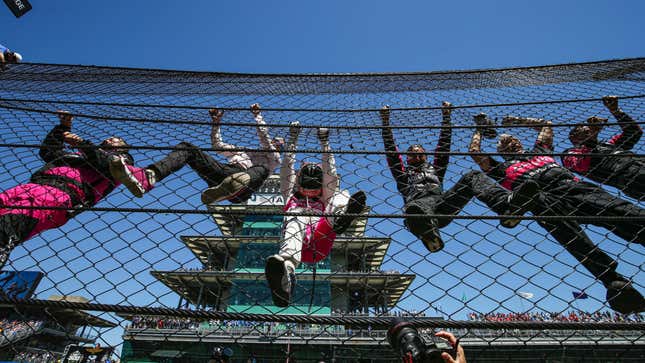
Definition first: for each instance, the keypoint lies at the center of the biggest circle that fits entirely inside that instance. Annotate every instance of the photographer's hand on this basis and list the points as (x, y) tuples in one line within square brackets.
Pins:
[(461, 356)]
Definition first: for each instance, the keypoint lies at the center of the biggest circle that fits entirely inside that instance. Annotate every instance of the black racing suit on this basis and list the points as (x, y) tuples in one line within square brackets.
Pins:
[(209, 169), (422, 187), (611, 162), (561, 193)]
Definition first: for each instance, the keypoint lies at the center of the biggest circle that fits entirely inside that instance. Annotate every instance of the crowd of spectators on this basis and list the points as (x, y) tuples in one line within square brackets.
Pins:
[(12, 328), (572, 316), (36, 357), (398, 313)]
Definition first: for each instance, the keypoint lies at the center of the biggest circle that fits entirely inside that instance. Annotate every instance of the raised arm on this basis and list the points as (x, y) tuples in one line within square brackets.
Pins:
[(632, 132), (216, 136), (545, 135), (53, 146), (393, 157), (272, 154), (485, 162), (288, 168), (441, 160), (330, 177)]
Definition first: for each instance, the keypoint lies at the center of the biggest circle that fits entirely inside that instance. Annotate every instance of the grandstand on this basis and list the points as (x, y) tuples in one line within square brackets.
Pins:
[(32, 335)]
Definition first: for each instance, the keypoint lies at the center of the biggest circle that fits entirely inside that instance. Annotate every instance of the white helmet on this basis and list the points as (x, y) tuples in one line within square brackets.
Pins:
[(18, 57)]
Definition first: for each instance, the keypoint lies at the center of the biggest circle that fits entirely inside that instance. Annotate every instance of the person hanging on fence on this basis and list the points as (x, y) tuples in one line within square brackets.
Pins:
[(7, 56), (421, 185), (67, 180), (235, 181), (609, 162), (314, 189), (562, 194)]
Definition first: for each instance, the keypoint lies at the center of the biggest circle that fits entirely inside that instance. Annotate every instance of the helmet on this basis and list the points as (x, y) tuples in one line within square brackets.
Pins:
[(310, 176), (18, 57)]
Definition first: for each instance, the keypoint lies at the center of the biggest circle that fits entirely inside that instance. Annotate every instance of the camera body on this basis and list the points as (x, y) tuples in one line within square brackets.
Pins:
[(405, 339)]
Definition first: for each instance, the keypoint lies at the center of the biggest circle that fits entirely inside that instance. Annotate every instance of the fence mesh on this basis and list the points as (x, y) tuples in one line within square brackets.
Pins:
[(166, 278)]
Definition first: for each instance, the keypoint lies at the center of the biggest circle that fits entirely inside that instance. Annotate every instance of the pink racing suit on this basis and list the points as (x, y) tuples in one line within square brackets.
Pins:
[(67, 180)]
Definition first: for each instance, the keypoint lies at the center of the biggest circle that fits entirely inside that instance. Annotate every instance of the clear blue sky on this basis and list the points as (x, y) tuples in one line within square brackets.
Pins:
[(297, 37), (325, 36)]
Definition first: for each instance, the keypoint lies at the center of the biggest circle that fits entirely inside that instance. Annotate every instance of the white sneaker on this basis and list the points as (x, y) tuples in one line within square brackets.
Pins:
[(121, 173), (228, 188)]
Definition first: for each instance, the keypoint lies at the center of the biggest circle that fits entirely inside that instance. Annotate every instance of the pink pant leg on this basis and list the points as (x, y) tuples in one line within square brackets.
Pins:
[(318, 246), (36, 195)]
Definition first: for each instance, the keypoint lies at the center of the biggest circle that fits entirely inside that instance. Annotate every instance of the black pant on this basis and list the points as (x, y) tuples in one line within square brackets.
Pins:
[(586, 199), (14, 229), (629, 178), (472, 184), (209, 169)]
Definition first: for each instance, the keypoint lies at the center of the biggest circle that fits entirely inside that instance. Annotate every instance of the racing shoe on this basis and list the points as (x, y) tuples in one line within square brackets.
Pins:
[(121, 173), (425, 228), (227, 189), (281, 279), (356, 205), (520, 201), (623, 298)]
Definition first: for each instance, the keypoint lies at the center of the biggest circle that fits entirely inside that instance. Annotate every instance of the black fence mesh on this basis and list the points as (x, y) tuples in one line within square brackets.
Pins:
[(124, 257)]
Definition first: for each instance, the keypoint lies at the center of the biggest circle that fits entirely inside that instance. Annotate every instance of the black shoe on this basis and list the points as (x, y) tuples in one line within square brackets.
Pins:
[(431, 238), (281, 279), (227, 189), (425, 228), (356, 205), (623, 298), (520, 201)]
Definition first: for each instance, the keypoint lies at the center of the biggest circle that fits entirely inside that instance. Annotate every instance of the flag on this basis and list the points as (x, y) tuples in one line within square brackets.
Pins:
[(526, 295), (580, 295)]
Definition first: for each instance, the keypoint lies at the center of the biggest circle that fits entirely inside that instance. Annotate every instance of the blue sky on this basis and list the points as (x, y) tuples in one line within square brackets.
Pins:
[(314, 37), (325, 36)]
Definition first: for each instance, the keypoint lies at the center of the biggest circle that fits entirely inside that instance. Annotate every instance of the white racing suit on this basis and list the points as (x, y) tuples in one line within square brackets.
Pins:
[(309, 238), (267, 159)]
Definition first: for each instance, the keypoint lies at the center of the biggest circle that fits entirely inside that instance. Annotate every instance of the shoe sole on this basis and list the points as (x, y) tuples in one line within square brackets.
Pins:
[(117, 169), (432, 240), (274, 273), (228, 188), (356, 205)]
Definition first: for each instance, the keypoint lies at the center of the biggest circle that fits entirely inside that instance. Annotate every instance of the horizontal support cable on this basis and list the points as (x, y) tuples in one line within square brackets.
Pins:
[(374, 322), (582, 219), (339, 110), (316, 151)]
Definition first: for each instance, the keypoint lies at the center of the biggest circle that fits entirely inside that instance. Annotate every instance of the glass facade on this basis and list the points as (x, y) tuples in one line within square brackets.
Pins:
[(254, 295)]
